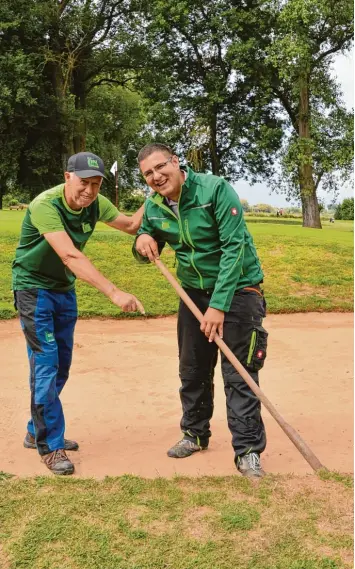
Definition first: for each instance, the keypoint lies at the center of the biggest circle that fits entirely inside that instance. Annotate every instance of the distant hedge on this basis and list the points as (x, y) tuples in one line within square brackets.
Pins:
[(345, 210)]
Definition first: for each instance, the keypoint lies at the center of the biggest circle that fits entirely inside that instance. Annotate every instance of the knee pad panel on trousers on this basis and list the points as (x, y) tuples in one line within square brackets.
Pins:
[(44, 370), (234, 380), (195, 373)]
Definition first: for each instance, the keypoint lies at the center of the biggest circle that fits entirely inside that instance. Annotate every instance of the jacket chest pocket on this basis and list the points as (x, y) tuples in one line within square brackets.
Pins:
[(199, 222), (167, 227)]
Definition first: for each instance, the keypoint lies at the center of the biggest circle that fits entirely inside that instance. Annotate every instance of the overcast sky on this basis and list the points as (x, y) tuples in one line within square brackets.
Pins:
[(343, 69)]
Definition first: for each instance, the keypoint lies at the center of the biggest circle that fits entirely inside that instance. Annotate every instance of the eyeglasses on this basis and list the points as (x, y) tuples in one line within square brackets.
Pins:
[(158, 168)]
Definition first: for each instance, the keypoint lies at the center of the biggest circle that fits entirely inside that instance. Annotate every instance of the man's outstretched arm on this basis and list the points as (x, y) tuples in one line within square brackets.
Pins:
[(84, 270)]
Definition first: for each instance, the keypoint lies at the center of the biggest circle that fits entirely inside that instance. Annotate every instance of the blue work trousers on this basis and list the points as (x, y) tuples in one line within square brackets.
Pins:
[(48, 320)]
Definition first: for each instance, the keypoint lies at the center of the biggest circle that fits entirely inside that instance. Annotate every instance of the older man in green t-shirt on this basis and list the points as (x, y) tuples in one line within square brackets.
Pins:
[(49, 257)]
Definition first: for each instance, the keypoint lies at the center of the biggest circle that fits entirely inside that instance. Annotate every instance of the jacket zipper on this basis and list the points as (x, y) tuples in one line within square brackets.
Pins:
[(186, 239), (192, 252), (166, 208)]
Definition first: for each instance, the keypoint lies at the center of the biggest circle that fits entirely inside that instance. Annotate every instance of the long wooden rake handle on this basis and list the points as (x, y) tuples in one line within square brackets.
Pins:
[(297, 440)]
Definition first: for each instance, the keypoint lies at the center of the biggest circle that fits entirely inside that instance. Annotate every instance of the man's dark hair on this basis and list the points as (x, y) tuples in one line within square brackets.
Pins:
[(153, 147)]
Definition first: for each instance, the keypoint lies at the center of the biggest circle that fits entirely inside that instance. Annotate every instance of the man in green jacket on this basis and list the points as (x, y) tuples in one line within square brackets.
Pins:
[(201, 218)]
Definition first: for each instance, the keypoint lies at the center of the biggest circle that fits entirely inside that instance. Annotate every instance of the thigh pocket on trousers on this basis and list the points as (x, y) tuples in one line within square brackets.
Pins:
[(257, 348)]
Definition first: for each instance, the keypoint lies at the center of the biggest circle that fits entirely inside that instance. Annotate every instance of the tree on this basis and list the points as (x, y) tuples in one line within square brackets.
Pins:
[(220, 121), (263, 207), (244, 88), (345, 210), (293, 209), (290, 54), (245, 205), (241, 88), (20, 93), (87, 44), (121, 117), (53, 56)]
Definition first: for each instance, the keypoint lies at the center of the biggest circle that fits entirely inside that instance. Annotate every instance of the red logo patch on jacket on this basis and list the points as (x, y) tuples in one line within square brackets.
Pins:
[(234, 211)]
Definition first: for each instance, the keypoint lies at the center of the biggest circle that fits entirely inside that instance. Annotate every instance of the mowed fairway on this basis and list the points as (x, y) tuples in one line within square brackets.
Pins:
[(305, 269)]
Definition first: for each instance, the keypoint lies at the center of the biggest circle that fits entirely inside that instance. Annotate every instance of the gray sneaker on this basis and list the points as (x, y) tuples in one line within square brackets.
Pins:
[(58, 462), (184, 448), (249, 465), (30, 442)]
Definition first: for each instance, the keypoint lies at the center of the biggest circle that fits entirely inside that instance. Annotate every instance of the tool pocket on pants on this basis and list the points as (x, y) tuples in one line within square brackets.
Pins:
[(257, 348)]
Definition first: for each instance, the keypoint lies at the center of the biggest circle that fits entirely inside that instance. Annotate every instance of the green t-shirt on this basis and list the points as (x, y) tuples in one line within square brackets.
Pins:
[(36, 264)]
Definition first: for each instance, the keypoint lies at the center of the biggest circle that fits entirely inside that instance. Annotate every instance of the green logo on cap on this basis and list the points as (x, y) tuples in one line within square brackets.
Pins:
[(93, 163)]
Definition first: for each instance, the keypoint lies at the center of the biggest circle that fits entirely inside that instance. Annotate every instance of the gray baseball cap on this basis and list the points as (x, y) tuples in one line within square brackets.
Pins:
[(86, 165)]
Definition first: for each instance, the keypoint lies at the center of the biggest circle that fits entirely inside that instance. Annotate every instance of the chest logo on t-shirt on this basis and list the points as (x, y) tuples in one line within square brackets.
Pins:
[(86, 227), (165, 224)]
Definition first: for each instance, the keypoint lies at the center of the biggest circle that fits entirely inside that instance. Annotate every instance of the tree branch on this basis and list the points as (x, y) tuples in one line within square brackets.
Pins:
[(334, 49), (320, 38), (319, 177), (197, 53), (109, 19), (112, 67), (62, 5), (108, 81), (287, 106)]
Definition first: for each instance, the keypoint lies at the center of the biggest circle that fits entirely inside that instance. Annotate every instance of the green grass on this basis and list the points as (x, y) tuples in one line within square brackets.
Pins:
[(305, 269), (183, 523)]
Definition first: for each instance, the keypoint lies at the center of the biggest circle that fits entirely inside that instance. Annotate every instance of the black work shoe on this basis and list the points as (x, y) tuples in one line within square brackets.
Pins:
[(249, 465), (184, 448), (58, 462), (30, 442)]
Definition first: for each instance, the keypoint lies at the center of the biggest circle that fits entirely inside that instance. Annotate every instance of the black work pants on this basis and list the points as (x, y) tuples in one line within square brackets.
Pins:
[(244, 335)]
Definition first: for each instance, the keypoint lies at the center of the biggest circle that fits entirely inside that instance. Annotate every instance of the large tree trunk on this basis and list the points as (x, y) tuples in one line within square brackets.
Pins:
[(62, 112), (215, 160), (310, 210), (79, 138), (59, 76)]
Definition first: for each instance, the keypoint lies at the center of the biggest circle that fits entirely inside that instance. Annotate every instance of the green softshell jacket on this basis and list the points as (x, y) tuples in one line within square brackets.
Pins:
[(212, 244)]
